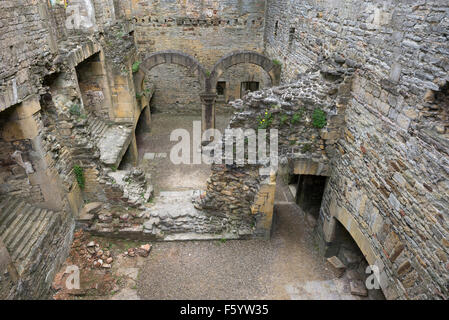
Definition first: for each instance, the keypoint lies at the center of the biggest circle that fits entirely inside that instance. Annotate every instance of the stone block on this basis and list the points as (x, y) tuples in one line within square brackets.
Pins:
[(358, 288), (337, 265)]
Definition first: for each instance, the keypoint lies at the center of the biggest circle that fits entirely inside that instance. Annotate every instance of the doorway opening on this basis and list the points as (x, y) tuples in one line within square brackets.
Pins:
[(309, 193), (248, 86), (348, 252)]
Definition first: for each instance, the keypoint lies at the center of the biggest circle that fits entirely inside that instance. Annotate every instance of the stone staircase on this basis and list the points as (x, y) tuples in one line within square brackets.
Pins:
[(24, 229), (97, 127)]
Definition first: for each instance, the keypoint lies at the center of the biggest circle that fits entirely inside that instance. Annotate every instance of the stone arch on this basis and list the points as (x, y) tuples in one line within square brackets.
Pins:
[(238, 57), (175, 57), (346, 221)]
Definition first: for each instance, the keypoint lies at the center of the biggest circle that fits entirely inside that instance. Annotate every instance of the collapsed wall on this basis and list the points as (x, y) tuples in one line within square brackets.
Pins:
[(389, 185)]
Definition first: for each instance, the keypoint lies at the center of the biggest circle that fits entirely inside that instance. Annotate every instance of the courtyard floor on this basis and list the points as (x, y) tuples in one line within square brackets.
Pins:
[(288, 266), (154, 152)]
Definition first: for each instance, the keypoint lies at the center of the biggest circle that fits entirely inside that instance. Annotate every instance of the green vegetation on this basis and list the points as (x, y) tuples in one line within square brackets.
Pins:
[(136, 66), (297, 117), (277, 62), (75, 109), (79, 173), (120, 34), (319, 118), (306, 148), (283, 120), (139, 96), (265, 121)]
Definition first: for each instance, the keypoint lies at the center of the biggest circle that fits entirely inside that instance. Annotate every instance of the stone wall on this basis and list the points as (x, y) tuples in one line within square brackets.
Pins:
[(206, 30), (245, 191), (388, 186), (15, 165), (25, 39), (233, 77), (53, 122)]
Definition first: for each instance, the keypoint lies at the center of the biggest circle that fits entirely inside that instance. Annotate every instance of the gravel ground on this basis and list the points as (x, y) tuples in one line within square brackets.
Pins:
[(288, 266), (254, 269)]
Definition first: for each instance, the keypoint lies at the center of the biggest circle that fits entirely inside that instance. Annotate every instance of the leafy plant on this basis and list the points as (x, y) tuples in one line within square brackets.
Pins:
[(283, 119), (297, 117), (75, 109), (138, 96), (319, 118), (306, 148), (265, 121), (277, 62), (79, 174), (136, 66)]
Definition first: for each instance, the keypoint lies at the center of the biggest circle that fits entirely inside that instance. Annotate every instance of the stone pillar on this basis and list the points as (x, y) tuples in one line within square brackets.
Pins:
[(264, 207), (133, 152), (146, 117), (208, 111)]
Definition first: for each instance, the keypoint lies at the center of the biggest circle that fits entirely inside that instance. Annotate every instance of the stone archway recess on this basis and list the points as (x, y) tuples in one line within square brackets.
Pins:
[(207, 80)]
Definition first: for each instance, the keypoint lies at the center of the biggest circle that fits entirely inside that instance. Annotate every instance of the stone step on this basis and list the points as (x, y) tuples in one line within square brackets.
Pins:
[(97, 127), (16, 226), (31, 248), (7, 207), (24, 230), (10, 217)]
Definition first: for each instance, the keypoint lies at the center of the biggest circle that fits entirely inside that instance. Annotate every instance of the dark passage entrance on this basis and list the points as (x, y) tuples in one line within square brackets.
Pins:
[(309, 193)]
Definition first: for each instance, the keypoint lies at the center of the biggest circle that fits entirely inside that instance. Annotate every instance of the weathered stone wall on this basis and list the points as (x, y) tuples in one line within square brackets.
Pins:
[(176, 90), (206, 30), (24, 39), (234, 76), (14, 179), (242, 191), (52, 124), (389, 185)]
